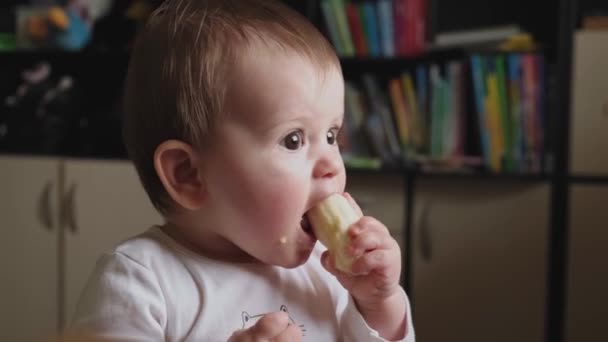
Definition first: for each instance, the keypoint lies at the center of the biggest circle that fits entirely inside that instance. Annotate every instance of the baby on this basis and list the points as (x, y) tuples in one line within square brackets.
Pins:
[(233, 108)]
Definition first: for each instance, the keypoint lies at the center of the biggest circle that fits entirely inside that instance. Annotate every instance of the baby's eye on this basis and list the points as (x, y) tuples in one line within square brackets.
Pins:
[(332, 136), (294, 140)]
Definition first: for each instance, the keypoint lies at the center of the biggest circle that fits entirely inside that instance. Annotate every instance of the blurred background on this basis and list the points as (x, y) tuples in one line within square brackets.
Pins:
[(474, 130)]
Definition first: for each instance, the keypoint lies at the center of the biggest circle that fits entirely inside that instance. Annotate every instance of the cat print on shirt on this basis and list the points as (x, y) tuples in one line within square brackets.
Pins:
[(250, 320)]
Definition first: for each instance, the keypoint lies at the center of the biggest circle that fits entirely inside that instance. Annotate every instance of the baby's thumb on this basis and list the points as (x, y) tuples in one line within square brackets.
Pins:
[(270, 326), (328, 262), (267, 328)]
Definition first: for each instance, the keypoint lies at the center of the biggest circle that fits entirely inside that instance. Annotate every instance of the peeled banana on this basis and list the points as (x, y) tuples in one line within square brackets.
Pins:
[(330, 220)]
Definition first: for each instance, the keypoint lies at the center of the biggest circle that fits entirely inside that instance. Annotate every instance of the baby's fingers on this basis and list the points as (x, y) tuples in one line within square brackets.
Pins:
[(291, 334), (345, 279), (368, 234), (377, 260), (268, 328)]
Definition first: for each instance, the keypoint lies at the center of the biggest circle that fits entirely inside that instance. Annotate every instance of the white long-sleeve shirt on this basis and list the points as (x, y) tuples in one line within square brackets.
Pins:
[(151, 288)]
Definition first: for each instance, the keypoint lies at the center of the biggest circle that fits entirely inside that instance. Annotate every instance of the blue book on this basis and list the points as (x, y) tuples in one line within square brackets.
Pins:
[(373, 34), (422, 98), (480, 95), (387, 33)]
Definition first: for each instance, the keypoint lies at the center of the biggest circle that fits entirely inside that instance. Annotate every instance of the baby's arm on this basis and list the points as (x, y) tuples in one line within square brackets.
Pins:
[(122, 301)]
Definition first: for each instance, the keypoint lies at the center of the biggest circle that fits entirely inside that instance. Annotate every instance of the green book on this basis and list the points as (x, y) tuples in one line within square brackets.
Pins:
[(343, 28), (504, 113), (332, 26)]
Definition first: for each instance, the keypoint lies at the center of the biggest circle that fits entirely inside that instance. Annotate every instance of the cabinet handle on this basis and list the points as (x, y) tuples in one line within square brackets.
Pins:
[(44, 210), (426, 241), (68, 215)]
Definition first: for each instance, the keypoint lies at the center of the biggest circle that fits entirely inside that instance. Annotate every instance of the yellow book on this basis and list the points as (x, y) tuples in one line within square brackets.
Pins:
[(418, 127), (400, 111)]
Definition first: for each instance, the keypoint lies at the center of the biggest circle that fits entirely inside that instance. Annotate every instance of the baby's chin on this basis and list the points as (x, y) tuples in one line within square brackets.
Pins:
[(292, 259)]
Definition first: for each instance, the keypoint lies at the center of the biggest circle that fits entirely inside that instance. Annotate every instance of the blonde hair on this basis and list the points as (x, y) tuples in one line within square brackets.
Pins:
[(177, 77)]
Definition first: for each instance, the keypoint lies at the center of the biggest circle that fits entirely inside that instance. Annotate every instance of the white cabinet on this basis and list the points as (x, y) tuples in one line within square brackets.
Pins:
[(589, 118), (480, 261), (28, 248), (587, 299), (106, 204), (58, 217)]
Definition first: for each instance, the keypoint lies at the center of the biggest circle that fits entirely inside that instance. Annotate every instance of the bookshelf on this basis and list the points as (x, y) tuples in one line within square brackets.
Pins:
[(555, 176)]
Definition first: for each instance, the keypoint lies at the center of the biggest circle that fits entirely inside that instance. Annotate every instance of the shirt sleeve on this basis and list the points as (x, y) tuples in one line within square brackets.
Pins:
[(122, 301), (355, 328)]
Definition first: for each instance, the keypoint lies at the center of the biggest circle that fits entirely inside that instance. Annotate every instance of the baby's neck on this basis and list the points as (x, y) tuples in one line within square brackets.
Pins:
[(205, 242)]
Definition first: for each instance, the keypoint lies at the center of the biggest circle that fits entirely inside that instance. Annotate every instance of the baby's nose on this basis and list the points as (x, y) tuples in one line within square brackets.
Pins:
[(327, 167)]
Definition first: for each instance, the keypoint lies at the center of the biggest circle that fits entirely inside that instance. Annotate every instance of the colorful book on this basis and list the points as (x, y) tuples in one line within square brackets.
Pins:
[(438, 97), (356, 27), (377, 136), (402, 115), (380, 106), (529, 86), (332, 26), (385, 19), (370, 19), (354, 123), (504, 112), (422, 99), (417, 124), (400, 23), (457, 118), (517, 143), (342, 24), (494, 118), (480, 89), (541, 108)]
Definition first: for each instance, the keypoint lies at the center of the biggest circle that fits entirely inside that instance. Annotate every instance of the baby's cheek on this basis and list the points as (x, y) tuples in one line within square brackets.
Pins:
[(281, 202)]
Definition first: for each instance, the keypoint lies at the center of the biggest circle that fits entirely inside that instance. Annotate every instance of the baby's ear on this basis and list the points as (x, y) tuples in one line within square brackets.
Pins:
[(178, 166)]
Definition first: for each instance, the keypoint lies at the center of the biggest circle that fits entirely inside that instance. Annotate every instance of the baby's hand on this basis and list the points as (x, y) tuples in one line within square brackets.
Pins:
[(271, 327), (377, 269)]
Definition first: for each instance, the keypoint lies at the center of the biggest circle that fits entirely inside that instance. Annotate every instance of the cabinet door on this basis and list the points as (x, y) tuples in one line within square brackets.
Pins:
[(587, 304), (480, 261), (382, 197), (28, 248), (105, 204), (590, 104)]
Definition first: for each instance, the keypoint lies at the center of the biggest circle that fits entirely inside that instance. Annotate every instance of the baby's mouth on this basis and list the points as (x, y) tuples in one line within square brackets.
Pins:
[(306, 226)]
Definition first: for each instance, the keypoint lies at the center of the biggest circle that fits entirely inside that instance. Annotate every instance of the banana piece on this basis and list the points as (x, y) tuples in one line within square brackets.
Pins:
[(330, 220)]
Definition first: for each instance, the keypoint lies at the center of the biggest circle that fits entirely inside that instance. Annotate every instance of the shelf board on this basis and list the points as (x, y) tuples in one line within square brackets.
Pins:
[(588, 179), (454, 175), (517, 177), (380, 64)]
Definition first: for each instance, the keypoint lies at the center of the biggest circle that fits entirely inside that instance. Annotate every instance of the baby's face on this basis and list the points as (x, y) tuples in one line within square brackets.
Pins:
[(275, 155)]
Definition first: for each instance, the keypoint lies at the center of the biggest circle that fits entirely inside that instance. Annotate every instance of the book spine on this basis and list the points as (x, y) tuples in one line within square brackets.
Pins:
[(479, 88), (385, 18), (400, 23), (373, 35), (356, 28), (343, 30), (332, 26)]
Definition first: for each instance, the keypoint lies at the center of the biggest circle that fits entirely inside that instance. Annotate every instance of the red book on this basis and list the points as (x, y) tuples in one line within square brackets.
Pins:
[(356, 29), (410, 26), (400, 25), (420, 24)]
